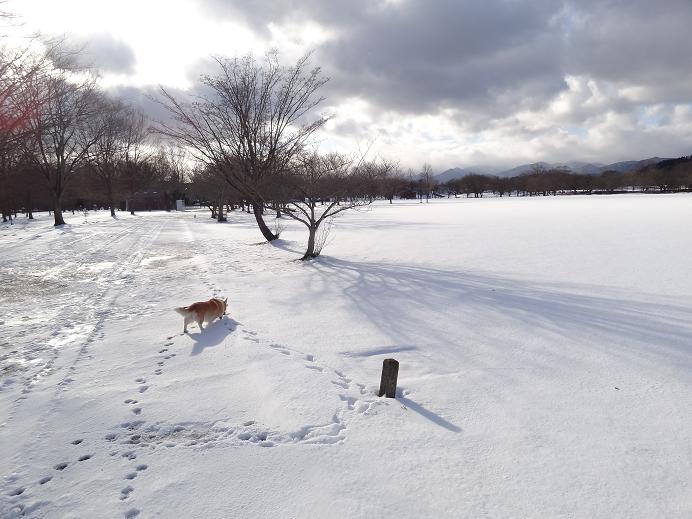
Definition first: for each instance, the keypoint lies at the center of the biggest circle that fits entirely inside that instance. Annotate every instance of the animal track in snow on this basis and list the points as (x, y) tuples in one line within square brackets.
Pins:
[(17, 491), (60, 466), (137, 410), (142, 389), (342, 376), (78, 441), (131, 426), (131, 475), (340, 384), (140, 380), (125, 492), (350, 401), (130, 455), (158, 372), (44, 480), (131, 513), (85, 457)]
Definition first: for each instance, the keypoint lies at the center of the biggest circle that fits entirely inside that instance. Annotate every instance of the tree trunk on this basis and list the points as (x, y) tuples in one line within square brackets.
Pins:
[(268, 235), (220, 217), (30, 211), (57, 212), (310, 251)]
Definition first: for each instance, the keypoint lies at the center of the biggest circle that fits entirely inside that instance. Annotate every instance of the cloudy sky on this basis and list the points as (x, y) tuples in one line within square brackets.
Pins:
[(448, 82)]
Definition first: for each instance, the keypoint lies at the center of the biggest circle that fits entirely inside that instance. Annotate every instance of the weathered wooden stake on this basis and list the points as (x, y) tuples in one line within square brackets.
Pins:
[(390, 371)]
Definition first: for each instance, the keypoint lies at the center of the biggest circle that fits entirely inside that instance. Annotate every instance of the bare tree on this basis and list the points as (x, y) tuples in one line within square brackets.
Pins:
[(170, 164), (63, 129), (251, 124), (19, 71), (314, 179), (107, 152), (135, 155), (426, 182), (392, 182)]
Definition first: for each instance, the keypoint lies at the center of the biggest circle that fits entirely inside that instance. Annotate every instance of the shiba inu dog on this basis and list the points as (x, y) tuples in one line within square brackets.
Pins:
[(204, 311)]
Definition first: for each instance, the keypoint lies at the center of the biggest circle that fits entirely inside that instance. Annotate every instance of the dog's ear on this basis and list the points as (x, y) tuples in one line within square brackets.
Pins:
[(225, 300)]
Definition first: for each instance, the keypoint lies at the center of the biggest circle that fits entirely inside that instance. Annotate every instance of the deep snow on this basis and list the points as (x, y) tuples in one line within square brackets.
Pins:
[(545, 348)]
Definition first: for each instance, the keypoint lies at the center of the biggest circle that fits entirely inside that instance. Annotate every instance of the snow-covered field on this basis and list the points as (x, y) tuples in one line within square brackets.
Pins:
[(545, 348)]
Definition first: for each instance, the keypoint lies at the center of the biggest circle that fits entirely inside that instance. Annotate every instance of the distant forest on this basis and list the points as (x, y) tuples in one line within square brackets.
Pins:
[(164, 178), (666, 176)]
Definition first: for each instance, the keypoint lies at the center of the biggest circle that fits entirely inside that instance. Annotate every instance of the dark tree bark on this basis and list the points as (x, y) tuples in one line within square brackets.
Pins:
[(57, 212), (264, 229), (310, 249)]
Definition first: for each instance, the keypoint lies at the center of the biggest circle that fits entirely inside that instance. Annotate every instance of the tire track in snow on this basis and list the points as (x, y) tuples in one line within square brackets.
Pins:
[(102, 303), (62, 324)]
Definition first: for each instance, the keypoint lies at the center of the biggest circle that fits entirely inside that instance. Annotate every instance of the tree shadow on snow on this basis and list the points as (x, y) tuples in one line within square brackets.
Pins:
[(401, 300), (214, 334)]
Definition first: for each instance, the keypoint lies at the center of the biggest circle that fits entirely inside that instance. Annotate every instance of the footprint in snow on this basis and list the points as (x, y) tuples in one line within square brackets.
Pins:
[(341, 384), (125, 492), (142, 389), (60, 466)]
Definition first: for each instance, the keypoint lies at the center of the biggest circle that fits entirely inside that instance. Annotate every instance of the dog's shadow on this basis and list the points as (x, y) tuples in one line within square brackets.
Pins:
[(213, 334)]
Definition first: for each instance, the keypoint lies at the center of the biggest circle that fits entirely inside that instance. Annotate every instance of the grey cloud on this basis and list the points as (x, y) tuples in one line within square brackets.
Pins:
[(106, 53), (489, 60), (492, 56)]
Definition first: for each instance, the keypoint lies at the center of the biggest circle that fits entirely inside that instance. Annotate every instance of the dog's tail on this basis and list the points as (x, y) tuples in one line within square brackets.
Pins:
[(182, 310)]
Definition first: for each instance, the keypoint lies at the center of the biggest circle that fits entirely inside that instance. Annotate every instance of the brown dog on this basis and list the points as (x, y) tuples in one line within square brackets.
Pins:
[(205, 311)]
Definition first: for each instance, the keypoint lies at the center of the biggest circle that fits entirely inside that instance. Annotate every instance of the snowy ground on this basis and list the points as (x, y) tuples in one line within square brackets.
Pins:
[(545, 348)]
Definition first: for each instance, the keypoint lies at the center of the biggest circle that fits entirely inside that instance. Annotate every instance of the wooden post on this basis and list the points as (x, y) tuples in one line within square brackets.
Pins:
[(390, 371)]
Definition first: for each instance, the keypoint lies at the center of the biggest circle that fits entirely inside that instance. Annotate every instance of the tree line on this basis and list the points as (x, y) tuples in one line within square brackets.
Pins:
[(667, 176)]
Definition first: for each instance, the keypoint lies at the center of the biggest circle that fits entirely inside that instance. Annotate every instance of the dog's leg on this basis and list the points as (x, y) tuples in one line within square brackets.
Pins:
[(187, 321), (200, 323)]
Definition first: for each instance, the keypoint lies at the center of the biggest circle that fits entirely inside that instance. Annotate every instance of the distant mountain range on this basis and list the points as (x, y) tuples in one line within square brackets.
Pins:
[(585, 168)]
